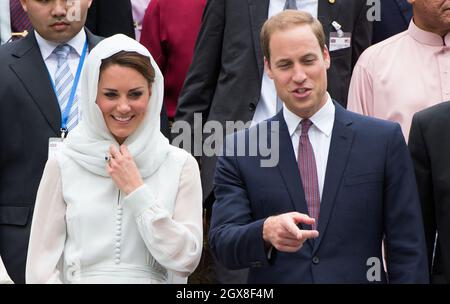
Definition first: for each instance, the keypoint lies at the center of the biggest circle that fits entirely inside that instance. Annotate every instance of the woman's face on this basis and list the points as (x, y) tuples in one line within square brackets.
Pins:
[(122, 96)]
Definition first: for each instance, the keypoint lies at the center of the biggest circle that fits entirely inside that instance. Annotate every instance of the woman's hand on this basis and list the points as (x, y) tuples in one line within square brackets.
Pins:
[(122, 169)]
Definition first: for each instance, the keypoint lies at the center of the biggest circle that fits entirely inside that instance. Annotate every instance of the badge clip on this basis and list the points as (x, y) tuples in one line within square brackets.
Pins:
[(63, 133), (338, 29)]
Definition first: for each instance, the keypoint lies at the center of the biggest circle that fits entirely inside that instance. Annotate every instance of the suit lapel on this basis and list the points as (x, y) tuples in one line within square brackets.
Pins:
[(32, 72), (259, 11), (92, 39), (341, 142)]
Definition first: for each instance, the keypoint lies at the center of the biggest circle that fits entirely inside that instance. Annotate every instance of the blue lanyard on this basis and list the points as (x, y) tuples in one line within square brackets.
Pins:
[(65, 114)]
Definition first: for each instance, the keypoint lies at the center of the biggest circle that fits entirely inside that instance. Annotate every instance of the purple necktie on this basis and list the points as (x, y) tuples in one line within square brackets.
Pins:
[(308, 172), (19, 18)]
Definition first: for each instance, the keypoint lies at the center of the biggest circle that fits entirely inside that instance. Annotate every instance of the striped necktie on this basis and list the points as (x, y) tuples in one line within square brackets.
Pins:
[(19, 18), (308, 172), (63, 85), (290, 4)]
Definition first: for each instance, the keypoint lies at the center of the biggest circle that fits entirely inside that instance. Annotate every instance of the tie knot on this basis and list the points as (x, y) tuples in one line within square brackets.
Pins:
[(306, 124), (62, 52), (290, 4)]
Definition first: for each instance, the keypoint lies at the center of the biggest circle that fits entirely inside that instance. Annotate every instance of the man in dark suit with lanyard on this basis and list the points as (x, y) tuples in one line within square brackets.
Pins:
[(39, 95)]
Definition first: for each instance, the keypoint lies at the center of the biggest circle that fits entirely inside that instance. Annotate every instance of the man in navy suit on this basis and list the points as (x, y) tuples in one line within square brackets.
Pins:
[(342, 182)]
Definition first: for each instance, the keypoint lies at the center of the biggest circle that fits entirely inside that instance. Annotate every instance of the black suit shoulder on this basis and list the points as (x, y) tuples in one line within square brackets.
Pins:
[(436, 114)]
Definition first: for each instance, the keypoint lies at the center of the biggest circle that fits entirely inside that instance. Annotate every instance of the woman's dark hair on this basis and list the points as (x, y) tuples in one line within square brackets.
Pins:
[(132, 60)]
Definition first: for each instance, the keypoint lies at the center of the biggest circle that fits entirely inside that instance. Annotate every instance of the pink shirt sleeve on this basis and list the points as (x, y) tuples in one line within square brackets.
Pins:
[(360, 96)]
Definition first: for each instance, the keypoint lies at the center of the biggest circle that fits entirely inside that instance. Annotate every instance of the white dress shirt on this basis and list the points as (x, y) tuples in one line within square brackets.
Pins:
[(319, 135), (51, 60), (5, 22), (138, 8), (267, 105)]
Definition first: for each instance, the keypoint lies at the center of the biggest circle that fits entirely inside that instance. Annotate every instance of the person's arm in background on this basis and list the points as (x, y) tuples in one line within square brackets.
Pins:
[(153, 36), (362, 34), (203, 75), (360, 95), (405, 238)]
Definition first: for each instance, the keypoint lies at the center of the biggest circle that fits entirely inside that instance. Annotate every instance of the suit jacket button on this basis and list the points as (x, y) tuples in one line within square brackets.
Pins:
[(252, 107), (315, 260)]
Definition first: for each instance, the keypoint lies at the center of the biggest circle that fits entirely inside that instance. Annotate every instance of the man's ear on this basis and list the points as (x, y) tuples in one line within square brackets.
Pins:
[(267, 68), (326, 57)]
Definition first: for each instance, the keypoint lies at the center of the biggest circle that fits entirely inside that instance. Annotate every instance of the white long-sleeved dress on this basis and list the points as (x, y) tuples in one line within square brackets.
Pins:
[(85, 230)]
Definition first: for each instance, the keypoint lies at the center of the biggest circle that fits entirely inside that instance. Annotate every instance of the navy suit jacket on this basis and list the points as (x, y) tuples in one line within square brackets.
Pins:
[(395, 18), (369, 192)]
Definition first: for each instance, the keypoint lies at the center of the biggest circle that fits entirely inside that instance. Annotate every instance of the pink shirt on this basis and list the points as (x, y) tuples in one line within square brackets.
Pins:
[(401, 75), (139, 7)]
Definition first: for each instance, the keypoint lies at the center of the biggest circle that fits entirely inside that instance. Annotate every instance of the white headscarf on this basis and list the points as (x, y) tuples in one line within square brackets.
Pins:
[(89, 142)]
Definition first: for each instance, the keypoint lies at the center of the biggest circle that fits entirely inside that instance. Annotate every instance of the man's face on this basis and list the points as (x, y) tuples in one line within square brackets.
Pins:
[(57, 20), (432, 15), (298, 68)]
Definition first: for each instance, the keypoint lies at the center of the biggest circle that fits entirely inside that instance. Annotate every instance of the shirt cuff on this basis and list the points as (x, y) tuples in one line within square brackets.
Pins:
[(140, 200)]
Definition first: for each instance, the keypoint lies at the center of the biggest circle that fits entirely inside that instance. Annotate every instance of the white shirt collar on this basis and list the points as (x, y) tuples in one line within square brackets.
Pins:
[(47, 47), (322, 119)]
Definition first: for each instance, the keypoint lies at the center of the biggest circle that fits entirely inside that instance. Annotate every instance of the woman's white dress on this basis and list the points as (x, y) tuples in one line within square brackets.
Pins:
[(103, 236)]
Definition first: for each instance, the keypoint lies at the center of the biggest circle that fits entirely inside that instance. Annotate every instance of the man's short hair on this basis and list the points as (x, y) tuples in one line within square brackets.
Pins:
[(286, 20)]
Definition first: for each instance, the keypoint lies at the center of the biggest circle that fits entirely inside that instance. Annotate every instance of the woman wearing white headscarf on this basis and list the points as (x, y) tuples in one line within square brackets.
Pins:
[(110, 214)]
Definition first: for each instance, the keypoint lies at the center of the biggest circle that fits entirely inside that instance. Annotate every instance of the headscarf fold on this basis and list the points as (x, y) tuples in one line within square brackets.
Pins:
[(88, 143)]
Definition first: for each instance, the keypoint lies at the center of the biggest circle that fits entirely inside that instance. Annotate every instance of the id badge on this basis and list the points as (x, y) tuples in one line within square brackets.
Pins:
[(55, 144), (340, 41)]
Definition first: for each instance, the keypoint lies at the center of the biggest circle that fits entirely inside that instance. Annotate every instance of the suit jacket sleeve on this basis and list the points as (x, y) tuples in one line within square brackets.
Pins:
[(201, 80), (106, 18), (422, 166), (235, 237), (48, 230), (153, 34), (362, 35), (405, 240)]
